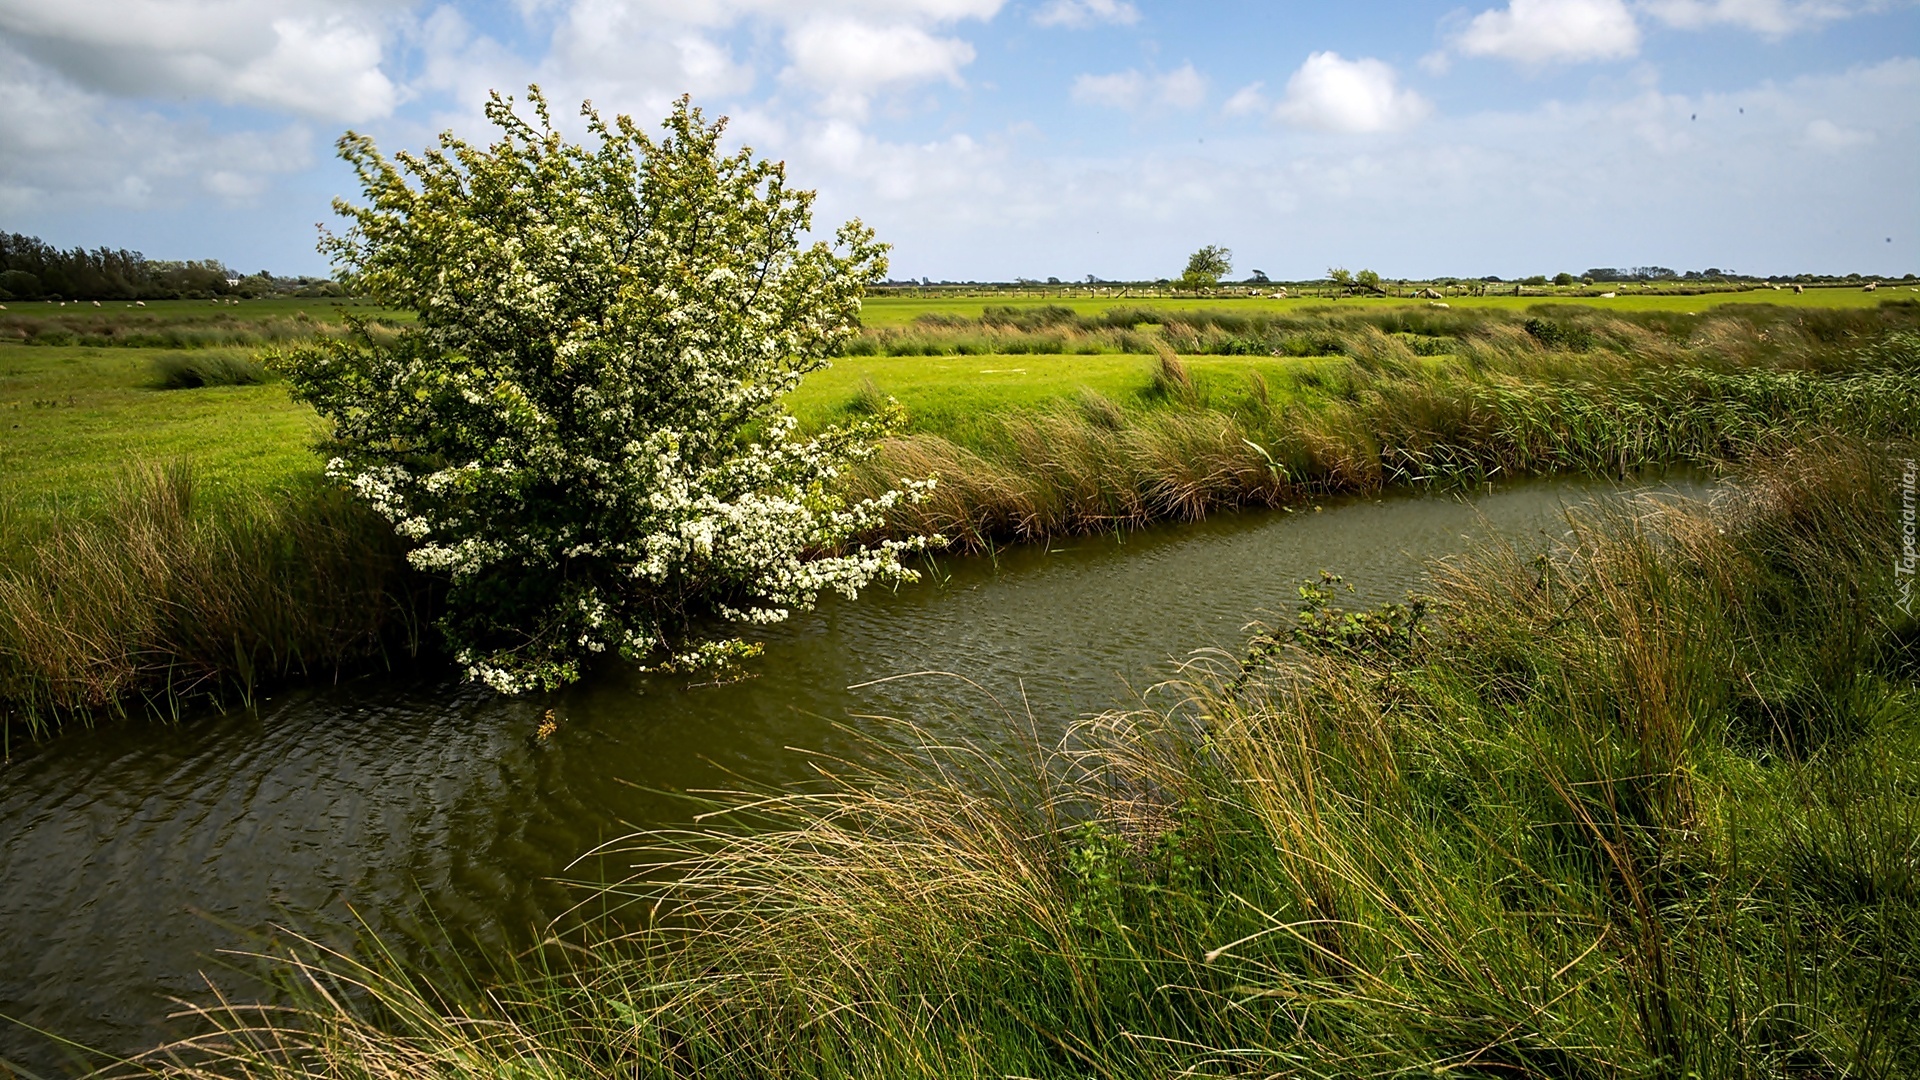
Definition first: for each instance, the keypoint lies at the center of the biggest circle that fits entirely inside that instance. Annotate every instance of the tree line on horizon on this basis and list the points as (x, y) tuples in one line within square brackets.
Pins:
[(32, 269)]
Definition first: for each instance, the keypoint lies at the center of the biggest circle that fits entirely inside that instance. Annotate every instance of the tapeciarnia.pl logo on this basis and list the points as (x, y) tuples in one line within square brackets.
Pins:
[(1903, 567)]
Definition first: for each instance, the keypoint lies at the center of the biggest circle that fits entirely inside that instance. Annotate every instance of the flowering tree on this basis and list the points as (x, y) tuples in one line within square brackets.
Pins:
[(583, 430)]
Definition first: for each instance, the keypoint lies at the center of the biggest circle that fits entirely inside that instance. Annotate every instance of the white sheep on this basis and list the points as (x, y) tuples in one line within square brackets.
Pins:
[(1608, 295), (1798, 289), (1436, 303), (1870, 286)]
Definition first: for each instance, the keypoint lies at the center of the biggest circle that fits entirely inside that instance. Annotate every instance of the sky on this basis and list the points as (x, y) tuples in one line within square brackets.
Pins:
[(994, 139)]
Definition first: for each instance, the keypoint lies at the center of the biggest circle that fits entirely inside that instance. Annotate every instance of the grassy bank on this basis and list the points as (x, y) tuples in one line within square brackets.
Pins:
[(1643, 805)]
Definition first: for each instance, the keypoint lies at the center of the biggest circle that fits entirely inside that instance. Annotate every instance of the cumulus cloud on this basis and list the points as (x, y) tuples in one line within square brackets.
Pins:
[(1540, 32), (61, 145), (852, 54), (1824, 134), (307, 56), (1181, 88), (1250, 98), (1773, 18), (1332, 93), (1078, 13)]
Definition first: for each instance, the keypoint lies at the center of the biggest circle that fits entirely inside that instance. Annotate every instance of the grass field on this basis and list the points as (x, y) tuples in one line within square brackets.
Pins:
[(1083, 426), (72, 418), (903, 310)]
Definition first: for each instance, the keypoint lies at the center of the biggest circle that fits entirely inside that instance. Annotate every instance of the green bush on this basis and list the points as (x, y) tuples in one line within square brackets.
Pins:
[(583, 433)]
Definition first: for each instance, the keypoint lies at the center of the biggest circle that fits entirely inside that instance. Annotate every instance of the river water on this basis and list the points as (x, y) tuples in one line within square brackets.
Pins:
[(133, 855)]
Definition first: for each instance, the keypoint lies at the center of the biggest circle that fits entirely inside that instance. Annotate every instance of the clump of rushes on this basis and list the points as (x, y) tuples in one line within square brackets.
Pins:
[(192, 370), (171, 593), (1641, 805)]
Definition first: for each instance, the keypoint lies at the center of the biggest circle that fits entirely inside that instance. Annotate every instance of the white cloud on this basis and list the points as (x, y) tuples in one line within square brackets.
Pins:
[(1181, 88), (1331, 93), (1250, 98), (1773, 18), (307, 56), (1121, 90), (1824, 134), (62, 146), (1539, 32), (1077, 13), (851, 54)]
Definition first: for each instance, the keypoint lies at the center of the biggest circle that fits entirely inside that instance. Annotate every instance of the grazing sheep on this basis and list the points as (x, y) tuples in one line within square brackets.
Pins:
[(1870, 286), (1277, 294), (1436, 303), (1775, 288), (1432, 294), (139, 303), (1608, 295), (1799, 289)]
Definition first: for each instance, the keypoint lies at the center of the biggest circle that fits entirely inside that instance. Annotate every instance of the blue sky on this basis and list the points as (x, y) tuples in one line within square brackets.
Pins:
[(991, 139)]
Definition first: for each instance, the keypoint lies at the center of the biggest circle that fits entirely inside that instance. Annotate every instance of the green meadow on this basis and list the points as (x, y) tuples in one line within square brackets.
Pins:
[(74, 415)]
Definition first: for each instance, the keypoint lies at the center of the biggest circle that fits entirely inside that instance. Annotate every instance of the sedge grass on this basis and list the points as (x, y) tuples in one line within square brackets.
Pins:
[(167, 594), (1639, 805)]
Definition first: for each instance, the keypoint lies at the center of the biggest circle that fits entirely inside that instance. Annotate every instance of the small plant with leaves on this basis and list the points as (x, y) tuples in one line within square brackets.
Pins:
[(584, 432)]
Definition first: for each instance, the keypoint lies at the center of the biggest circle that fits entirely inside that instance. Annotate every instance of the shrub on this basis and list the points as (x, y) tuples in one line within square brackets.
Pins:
[(583, 432)]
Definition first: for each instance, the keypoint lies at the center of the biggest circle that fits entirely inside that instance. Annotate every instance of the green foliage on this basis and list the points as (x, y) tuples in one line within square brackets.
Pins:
[(583, 431), (1556, 334), (1206, 267)]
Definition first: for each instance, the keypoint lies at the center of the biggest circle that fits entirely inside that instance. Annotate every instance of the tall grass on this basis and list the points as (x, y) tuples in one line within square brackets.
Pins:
[(176, 329), (1642, 805), (169, 594), (193, 370), (1752, 331), (1381, 418)]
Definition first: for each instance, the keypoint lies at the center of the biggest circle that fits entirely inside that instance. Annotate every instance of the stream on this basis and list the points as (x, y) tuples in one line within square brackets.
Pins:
[(132, 854)]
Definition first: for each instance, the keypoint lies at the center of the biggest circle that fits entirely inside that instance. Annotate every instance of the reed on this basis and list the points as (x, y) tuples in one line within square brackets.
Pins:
[(1372, 424), (1595, 812), (169, 594)]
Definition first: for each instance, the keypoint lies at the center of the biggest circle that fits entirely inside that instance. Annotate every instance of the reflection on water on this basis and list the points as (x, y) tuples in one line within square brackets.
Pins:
[(132, 854)]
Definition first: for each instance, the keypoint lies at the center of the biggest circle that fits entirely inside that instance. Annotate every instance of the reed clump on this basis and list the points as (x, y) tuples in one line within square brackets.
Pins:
[(1380, 418), (1640, 805), (171, 592), (193, 370), (1747, 333)]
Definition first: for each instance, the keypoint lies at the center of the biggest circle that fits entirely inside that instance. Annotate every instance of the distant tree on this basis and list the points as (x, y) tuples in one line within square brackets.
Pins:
[(1053, 281), (1563, 278), (1206, 267), (1340, 276), (1368, 280), (1259, 278)]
